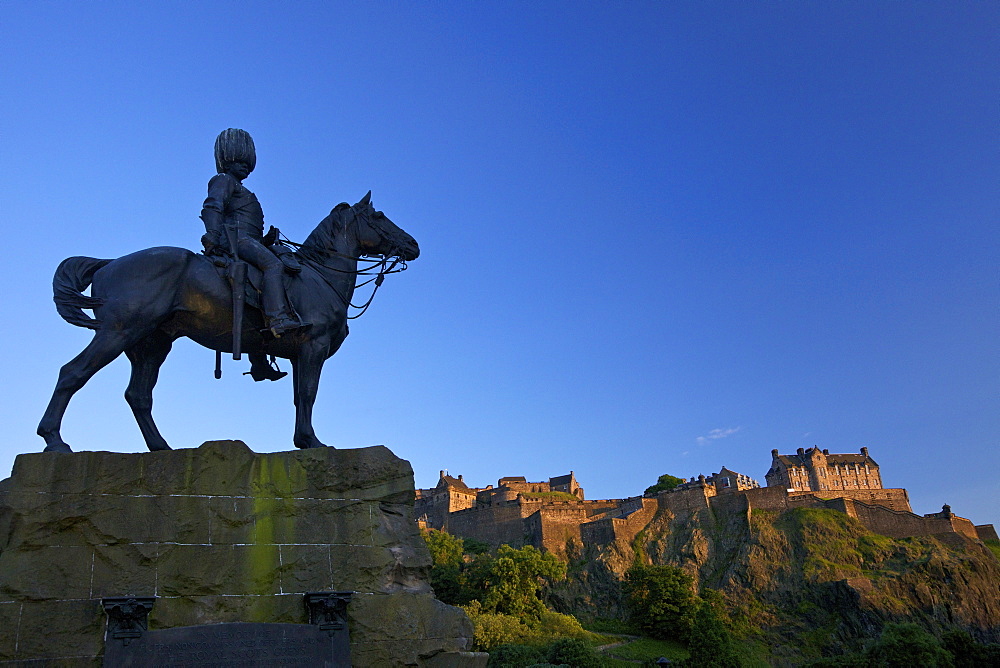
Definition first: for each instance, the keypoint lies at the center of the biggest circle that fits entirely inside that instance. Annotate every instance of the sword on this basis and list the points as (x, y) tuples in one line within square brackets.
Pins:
[(238, 272)]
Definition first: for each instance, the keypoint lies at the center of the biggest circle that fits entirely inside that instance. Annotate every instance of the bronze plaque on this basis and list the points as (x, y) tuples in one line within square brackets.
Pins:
[(235, 644)]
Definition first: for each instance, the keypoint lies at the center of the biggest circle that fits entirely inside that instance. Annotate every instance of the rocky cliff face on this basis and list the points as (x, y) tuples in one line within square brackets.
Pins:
[(217, 534), (806, 579)]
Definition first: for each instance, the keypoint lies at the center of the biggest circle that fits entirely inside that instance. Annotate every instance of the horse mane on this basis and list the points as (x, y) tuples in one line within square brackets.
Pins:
[(328, 228)]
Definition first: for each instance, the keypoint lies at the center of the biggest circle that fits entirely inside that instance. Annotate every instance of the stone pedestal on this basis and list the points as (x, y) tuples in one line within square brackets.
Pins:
[(218, 534)]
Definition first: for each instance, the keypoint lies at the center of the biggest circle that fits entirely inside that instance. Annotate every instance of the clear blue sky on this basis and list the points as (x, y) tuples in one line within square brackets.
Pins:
[(657, 237)]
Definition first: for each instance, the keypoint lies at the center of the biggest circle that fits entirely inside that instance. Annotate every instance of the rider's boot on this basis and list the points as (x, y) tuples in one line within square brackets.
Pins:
[(279, 317), (261, 369)]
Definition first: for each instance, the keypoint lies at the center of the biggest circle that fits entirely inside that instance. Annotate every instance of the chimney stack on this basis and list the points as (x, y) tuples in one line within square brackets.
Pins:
[(801, 451), (864, 451), (774, 452)]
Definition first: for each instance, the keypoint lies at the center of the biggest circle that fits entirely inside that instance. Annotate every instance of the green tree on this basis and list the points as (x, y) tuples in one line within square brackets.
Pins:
[(446, 550), (967, 653), (475, 546), (447, 555), (664, 483), (511, 582), (660, 601), (711, 642), (906, 645)]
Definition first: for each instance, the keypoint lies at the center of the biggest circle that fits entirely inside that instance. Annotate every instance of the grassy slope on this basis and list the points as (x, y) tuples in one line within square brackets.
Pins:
[(814, 580)]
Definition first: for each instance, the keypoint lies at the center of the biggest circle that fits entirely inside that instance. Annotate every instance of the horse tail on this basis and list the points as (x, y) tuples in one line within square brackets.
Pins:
[(73, 276)]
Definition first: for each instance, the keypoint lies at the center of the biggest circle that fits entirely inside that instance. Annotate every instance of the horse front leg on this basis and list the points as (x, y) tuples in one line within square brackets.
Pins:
[(102, 350), (146, 357), (306, 369)]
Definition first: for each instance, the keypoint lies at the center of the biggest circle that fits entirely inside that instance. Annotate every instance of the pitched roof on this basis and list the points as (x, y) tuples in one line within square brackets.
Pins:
[(449, 481), (515, 478), (850, 459), (561, 480), (831, 459)]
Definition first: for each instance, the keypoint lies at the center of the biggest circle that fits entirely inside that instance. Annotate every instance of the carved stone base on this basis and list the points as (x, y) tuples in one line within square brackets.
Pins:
[(219, 535)]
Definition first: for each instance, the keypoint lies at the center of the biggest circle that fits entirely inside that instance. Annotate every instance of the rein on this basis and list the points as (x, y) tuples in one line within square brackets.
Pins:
[(379, 275)]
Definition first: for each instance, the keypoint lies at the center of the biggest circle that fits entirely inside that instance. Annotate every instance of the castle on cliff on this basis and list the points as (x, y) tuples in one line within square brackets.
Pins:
[(555, 516)]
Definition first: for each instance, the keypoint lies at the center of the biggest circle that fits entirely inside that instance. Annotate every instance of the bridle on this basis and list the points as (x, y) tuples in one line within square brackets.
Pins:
[(388, 262)]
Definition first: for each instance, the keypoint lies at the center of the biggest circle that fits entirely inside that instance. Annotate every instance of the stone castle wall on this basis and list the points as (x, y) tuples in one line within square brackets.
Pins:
[(553, 528), (902, 524), (502, 523), (779, 499), (622, 525), (987, 532), (894, 499), (876, 511)]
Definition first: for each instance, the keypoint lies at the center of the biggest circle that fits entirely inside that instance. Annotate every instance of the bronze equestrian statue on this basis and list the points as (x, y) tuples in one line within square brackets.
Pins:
[(234, 227), (143, 302)]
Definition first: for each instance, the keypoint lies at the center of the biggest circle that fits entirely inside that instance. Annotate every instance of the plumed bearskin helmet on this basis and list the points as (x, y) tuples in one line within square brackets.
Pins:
[(234, 145)]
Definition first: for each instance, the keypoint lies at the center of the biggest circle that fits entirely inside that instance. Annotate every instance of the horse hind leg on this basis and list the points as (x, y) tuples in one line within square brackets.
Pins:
[(101, 351), (146, 357)]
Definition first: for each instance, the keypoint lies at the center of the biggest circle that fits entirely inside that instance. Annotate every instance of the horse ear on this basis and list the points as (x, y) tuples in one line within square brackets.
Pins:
[(366, 200)]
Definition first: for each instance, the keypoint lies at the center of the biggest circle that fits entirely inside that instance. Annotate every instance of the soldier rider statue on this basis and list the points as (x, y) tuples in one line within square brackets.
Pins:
[(232, 214)]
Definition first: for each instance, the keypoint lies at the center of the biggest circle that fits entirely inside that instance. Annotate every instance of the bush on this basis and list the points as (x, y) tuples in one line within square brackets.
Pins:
[(557, 625), (573, 652), (515, 656), (493, 629), (906, 645)]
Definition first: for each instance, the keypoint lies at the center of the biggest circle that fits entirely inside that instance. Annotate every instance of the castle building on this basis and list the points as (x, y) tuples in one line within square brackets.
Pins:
[(723, 482), (554, 516), (731, 481), (433, 507), (814, 470)]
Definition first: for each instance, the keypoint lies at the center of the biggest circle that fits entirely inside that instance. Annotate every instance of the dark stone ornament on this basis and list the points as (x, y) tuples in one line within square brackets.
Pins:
[(127, 617), (328, 609)]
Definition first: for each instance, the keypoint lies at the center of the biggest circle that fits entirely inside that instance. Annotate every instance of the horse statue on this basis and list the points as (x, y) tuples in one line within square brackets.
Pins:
[(143, 302)]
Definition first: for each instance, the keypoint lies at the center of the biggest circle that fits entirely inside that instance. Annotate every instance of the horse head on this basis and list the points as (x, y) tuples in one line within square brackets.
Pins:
[(360, 230), (377, 235)]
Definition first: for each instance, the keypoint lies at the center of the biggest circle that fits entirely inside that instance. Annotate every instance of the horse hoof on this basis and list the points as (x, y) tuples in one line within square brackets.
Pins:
[(57, 447)]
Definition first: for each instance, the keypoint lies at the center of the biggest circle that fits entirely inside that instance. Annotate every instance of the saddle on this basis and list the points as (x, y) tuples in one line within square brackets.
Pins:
[(254, 284)]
